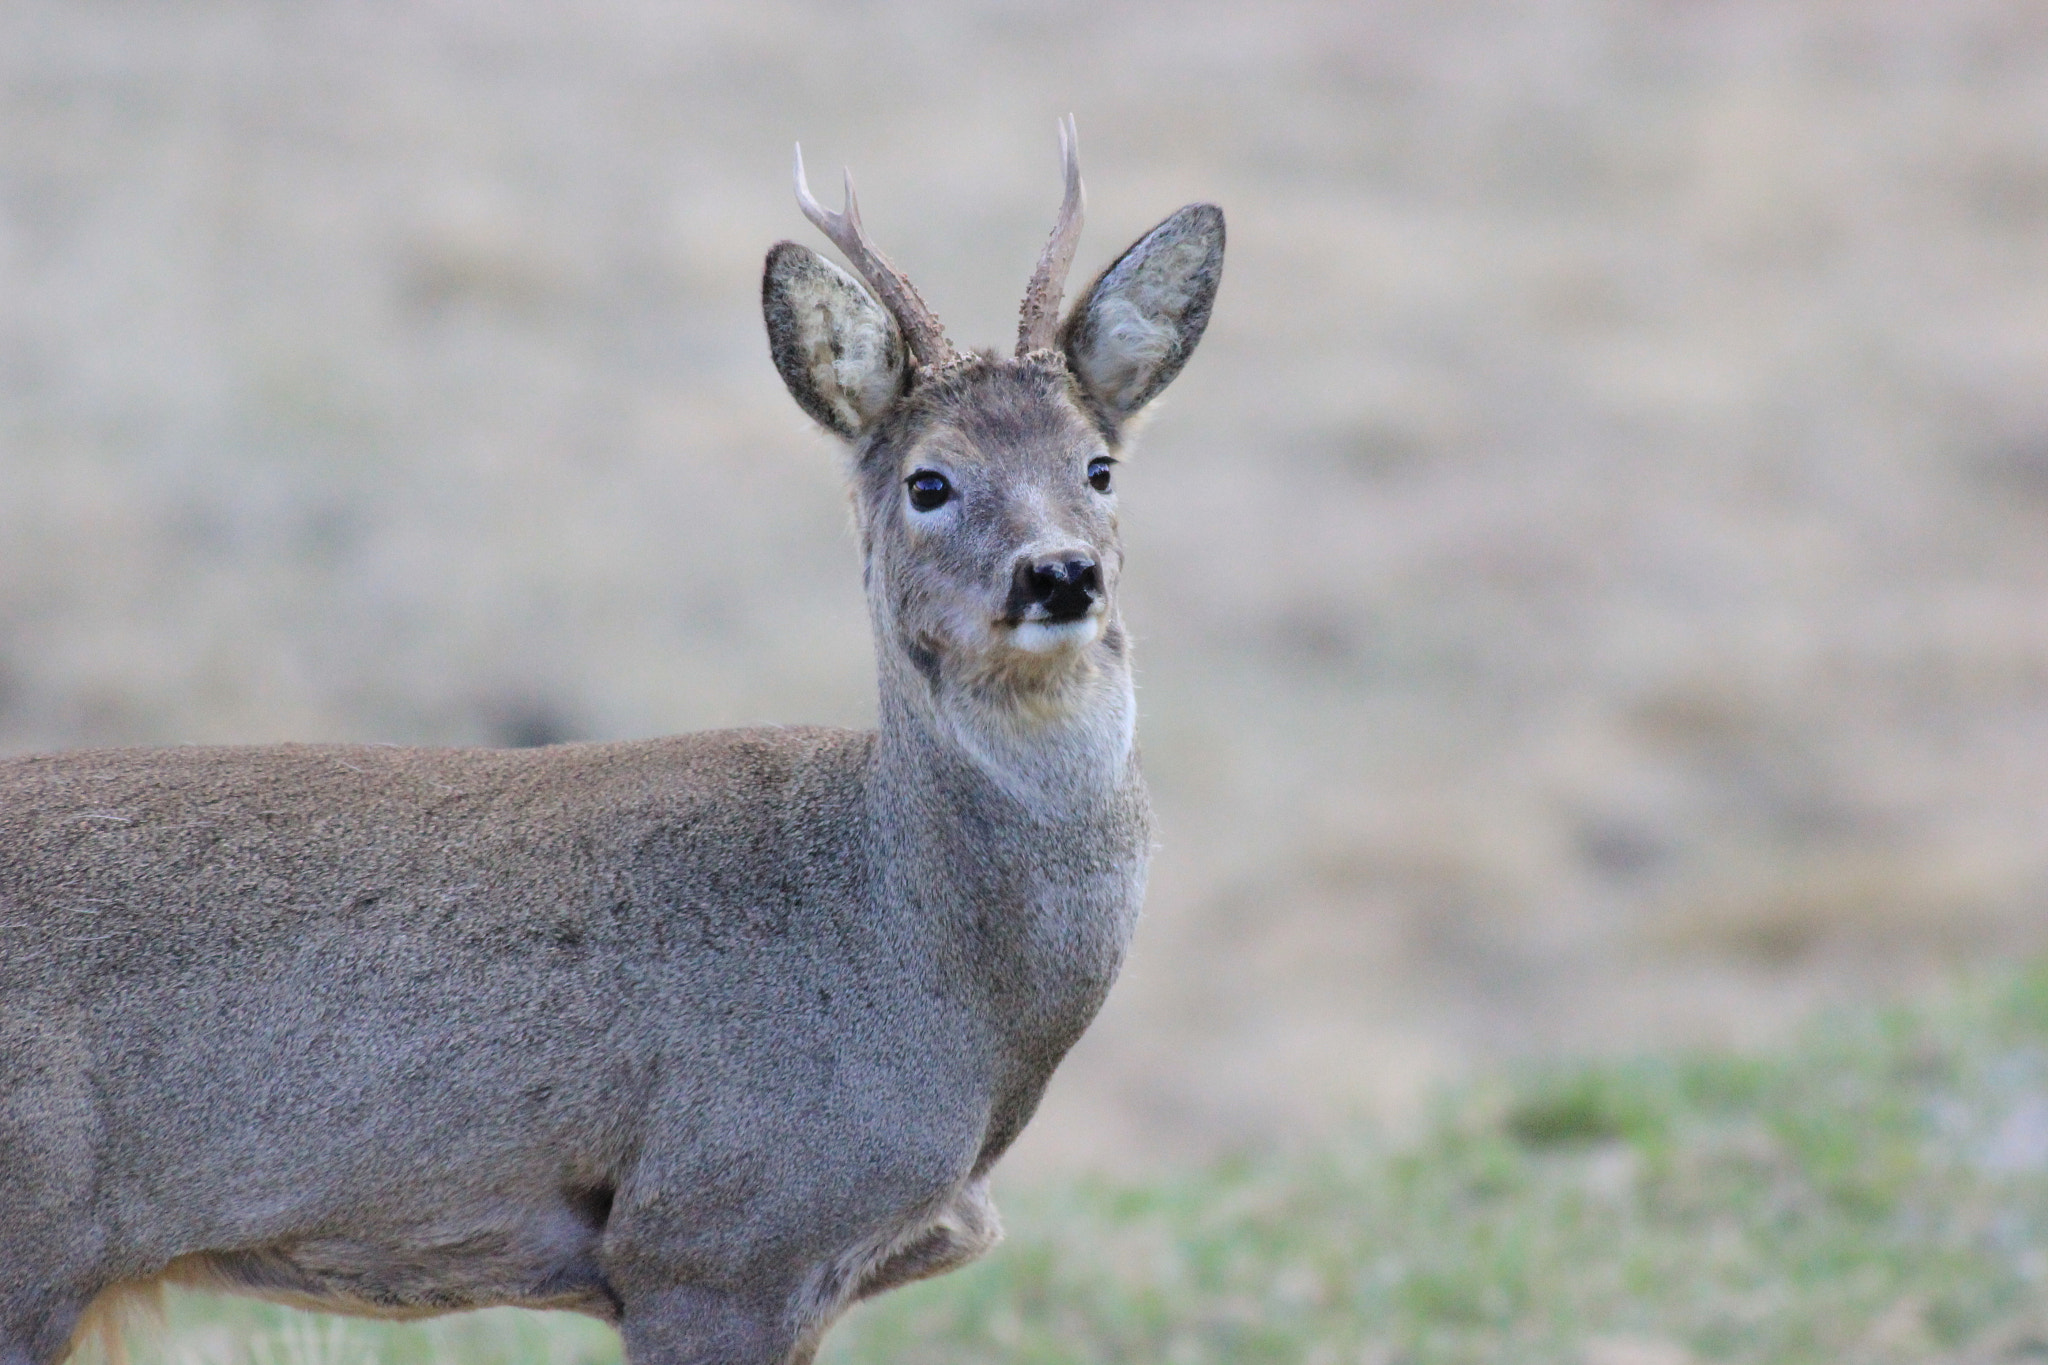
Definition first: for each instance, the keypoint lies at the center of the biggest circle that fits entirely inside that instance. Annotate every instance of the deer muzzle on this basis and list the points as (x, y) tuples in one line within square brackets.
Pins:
[(1054, 589)]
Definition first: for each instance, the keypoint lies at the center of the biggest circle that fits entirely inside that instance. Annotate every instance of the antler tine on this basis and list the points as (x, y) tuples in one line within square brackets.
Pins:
[(1040, 318), (921, 329)]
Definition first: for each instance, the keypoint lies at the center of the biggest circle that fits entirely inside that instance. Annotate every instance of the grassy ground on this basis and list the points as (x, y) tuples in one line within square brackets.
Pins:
[(1878, 1192)]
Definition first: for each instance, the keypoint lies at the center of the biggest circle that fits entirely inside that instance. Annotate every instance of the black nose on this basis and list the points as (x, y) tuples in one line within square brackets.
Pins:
[(1063, 587)]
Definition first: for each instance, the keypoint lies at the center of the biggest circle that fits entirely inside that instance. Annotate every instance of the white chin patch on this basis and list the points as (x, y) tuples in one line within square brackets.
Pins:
[(1050, 637)]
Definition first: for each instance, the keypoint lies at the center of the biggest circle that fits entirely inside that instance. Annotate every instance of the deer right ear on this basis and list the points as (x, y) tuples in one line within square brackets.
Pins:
[(838, 350), (1139, 322)]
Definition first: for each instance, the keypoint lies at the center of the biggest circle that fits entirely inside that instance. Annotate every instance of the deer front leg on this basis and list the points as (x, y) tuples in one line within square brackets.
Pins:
[(692, 1325), (36, 1329)]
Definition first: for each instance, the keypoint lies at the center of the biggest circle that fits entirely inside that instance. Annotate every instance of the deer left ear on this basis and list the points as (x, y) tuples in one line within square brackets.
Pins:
[(1138, 323)]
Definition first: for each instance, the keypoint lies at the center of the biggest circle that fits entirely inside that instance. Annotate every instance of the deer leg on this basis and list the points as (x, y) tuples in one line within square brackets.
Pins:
[(37, 1331), (690, 1325)]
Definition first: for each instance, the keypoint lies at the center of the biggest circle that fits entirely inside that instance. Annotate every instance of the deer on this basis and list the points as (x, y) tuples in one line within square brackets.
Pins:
[(707, 1036)]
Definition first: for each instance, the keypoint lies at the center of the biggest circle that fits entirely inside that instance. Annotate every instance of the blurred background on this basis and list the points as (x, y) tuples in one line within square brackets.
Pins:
[(1589, 585)]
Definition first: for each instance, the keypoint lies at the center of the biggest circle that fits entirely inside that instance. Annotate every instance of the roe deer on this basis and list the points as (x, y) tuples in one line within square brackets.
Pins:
[(706, 1036)]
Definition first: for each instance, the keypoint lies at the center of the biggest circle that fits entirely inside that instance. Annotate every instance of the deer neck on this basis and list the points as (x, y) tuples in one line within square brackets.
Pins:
[(1044, 749), (1016, 837)]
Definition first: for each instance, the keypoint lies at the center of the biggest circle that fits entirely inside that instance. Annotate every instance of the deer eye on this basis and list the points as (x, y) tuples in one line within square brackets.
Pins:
[(929, 490), (1098, 473)]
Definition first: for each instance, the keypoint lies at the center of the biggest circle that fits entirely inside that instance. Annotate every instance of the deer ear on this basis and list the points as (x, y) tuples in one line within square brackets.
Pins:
[(838, 350), (1139, 322)]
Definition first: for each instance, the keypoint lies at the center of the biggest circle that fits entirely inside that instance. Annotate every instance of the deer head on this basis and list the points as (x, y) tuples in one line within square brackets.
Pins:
[(985, 487)]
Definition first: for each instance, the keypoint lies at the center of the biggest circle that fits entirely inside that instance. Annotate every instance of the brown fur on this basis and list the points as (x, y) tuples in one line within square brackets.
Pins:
[(706, 1036)]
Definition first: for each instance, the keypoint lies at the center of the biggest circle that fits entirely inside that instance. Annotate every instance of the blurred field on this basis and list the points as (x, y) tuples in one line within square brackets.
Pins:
[(1590, 583), (1872, 1193)]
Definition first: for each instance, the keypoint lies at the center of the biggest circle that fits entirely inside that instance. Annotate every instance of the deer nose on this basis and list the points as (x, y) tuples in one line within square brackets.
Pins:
[(1063, 587)]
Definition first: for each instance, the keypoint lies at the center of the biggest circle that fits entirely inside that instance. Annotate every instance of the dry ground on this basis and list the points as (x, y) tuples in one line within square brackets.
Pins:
[(1590, 583)]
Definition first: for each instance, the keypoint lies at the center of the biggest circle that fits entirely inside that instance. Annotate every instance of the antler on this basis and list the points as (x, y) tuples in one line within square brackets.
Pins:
[(928, 344), (1040, 319)]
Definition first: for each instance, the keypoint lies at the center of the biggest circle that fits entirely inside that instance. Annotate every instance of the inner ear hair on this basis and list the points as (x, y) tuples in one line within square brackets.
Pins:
[(839, 352), (1137, 324)]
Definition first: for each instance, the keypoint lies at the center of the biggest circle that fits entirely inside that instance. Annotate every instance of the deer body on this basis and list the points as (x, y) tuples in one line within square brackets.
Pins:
[(707, 1036)]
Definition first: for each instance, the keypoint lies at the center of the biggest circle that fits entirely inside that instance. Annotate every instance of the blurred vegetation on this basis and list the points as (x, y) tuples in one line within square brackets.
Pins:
[(1877, 1192)]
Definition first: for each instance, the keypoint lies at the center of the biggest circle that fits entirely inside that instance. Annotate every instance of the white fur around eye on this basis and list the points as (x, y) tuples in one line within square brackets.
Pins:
[(922, 518)]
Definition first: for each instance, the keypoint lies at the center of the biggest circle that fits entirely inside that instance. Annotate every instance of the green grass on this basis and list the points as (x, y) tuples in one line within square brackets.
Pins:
[(1877, 1192)]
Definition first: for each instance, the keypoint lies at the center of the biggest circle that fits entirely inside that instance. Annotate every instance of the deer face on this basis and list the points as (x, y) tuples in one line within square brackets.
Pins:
[(989, 520), (986, 488)]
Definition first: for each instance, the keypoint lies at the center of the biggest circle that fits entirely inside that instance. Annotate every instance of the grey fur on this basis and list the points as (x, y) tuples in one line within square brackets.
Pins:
[(706, 1036)]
